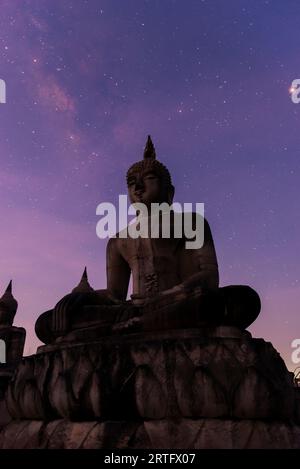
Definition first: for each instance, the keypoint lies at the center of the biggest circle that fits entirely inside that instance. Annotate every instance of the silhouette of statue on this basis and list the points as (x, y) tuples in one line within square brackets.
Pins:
[(173, 287)]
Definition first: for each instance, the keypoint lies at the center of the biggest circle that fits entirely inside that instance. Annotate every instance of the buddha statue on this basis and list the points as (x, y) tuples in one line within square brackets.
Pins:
[(13, 337), (173, 287)]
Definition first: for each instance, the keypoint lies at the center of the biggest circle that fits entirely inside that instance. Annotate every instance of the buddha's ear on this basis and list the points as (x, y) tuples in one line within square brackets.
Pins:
[(171, 192)]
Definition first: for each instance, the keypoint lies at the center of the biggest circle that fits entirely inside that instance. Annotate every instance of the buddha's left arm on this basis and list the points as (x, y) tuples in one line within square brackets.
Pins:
[(199, 267), (118, 271)]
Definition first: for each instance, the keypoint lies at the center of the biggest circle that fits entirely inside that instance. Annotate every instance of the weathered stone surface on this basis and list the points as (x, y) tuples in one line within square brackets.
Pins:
[(5, 417), (156, 434), (155, 378), (297, 391)]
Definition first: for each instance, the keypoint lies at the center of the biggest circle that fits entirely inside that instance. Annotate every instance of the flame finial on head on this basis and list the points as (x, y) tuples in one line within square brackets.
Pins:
[(150, 163), (149, 151)]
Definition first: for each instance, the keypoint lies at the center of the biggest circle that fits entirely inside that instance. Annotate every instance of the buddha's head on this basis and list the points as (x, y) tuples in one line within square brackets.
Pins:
[(148, 180)]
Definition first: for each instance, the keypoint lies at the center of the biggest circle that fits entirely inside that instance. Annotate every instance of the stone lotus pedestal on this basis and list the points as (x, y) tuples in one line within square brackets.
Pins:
[(194, 388)]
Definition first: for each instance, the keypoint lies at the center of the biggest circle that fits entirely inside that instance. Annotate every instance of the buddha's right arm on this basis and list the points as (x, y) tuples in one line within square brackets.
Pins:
[(118, 271)]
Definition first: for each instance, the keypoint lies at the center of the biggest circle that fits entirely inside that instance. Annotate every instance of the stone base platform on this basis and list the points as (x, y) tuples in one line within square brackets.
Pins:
[(158, 434), (194, 388)]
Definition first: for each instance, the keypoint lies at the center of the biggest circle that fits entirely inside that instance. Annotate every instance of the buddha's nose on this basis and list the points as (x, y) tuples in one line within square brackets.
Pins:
[(139, 185)]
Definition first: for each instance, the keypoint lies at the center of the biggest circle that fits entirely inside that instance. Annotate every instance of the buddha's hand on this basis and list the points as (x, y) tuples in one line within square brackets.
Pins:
[(195, 283), (182, 290)]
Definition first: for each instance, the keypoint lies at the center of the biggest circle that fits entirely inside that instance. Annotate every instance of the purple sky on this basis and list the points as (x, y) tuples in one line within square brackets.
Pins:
[(209, 80)]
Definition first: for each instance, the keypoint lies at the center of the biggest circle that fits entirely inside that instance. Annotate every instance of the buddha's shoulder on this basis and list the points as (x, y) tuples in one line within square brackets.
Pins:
[(119, 241)]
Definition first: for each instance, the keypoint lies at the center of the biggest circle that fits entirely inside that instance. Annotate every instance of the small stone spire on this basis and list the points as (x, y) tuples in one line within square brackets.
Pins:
[(149, 151), (8, 306), (83, 286), (9, 287), (8, 300)]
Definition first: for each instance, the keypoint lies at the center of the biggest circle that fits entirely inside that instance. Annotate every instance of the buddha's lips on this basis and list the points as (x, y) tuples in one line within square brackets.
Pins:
[(139, 196)]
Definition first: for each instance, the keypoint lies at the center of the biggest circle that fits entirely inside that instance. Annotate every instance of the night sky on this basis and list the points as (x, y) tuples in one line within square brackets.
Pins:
[(87, 81)]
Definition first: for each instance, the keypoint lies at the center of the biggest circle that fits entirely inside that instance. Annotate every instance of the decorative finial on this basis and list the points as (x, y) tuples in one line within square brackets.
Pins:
[(8, 306), (9, 287), (149, 151), (83, 286)]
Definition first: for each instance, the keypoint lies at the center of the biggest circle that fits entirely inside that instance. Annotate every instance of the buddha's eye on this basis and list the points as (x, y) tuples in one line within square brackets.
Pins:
[(150, 177)]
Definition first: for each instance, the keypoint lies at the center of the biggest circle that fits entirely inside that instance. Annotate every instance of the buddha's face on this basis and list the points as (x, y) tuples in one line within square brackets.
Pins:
[(145, 187)]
